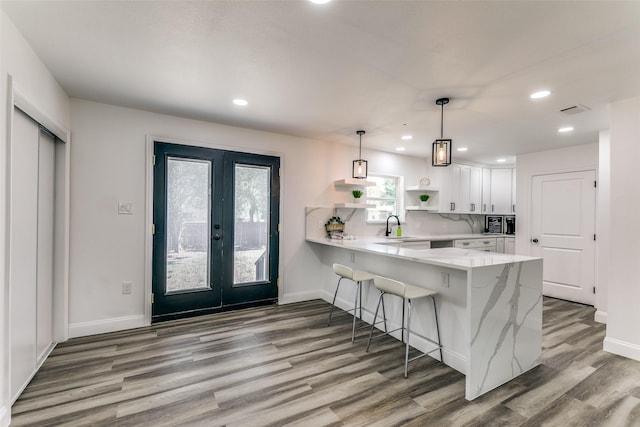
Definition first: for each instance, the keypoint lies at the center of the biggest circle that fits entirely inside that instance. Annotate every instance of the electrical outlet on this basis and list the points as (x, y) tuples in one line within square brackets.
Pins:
[(444, 280), (320, 224), (126, 287)]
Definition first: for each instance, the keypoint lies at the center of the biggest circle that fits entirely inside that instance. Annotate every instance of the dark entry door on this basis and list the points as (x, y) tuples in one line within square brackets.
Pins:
[(215, 244)]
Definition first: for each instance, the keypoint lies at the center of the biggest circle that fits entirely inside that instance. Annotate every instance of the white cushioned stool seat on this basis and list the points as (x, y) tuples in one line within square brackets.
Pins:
[(356, 276)]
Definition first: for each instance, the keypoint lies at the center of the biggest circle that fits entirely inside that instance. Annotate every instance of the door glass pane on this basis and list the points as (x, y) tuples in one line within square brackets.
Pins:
[(252, 193), (187, 219)]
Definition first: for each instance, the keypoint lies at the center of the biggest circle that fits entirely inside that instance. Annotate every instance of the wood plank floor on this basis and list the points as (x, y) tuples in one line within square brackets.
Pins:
[(281, 365)]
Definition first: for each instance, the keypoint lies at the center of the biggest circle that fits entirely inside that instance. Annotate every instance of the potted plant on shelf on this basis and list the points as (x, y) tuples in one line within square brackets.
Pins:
[(424, 198), (356, 195)]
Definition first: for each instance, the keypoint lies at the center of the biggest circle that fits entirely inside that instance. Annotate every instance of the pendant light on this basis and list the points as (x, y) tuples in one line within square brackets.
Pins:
[(360, 165), (441, 153)]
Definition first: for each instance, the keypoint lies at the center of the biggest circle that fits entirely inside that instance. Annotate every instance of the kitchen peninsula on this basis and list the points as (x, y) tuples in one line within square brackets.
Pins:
[(489, 304)]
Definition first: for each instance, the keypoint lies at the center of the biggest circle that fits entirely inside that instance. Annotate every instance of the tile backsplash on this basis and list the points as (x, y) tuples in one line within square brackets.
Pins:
[(415, 223)]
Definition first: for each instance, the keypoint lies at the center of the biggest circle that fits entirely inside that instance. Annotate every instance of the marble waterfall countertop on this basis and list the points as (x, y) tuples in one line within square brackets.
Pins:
[(461, 259)]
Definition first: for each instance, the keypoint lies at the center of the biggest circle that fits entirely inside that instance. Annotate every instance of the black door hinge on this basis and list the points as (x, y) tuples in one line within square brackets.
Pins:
[(594, 289), (594, 237), (595, 183)]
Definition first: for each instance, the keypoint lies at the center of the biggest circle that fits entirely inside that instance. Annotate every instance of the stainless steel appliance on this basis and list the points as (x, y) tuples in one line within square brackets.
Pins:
[(493, 224), (509, 225)]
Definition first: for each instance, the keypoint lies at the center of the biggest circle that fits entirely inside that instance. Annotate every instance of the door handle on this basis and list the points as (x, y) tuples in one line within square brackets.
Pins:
[(453, 206), (217, 237), (534, 240)]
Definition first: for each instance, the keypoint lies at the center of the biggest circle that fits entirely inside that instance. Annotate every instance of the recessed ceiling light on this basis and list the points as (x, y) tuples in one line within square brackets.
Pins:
[(462, 149), (407, 137), (540, 94), (501, 160), (400, 148), (240, 102), (319, 1), (565, 129)]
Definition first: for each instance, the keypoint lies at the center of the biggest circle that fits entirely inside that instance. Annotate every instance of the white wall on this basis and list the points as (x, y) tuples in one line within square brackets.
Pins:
[(108, 165), (603, 225), (21, 67), (623, 333), (581, 157)]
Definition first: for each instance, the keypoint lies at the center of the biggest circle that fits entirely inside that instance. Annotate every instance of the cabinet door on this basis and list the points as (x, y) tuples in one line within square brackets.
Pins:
[(513, 190), (486, 190), (475, 189), (510, 246), (501, 191), (465, 190), (455, 177)]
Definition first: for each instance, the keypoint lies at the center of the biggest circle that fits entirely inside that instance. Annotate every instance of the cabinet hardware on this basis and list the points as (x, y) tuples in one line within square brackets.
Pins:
[(484, 207), (492, 208), (534, 240), (453, 206), (513, 208), (473, 207)]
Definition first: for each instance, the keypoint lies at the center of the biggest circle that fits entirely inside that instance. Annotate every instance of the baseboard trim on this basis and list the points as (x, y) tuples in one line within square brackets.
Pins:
[(5, 416), (600, 317), (622, 348), (294, 297), (84, 329)]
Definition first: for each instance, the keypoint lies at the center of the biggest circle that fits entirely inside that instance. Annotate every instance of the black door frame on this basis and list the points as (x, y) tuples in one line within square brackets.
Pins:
[(227, 296)]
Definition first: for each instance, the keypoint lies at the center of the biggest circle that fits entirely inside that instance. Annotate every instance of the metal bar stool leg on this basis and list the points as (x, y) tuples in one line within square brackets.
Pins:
[(435, 313), (333, 303), (406, 354), (375, 317), (384, 314), (355, 310), (360, 287)]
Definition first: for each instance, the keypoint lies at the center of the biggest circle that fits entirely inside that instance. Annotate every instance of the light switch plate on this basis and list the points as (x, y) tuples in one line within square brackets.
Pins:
[(125, 208)]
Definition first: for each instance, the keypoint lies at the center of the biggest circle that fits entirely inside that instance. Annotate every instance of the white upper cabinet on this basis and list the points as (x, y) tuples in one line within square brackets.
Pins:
[(486, 191), (501, 191), (475, 189), (465, 189)]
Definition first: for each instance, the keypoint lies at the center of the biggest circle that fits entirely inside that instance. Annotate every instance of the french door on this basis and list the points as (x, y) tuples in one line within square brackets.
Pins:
[(215, 242)]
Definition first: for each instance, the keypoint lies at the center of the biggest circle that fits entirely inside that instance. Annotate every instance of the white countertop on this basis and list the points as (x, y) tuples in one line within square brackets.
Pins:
[(460, 259)]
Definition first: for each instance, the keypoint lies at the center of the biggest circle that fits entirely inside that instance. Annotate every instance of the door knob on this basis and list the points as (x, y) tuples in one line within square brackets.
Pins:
[(217, 237), (534, 240)]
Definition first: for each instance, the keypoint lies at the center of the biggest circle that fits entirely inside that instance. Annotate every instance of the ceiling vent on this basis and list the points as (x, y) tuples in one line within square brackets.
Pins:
[(576, 109)]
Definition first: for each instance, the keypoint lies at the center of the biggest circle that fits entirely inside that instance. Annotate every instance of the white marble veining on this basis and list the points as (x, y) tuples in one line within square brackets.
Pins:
[(505, 321)]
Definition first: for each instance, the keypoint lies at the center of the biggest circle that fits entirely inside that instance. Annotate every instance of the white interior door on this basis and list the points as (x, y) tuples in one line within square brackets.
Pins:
[(562, 233), (23, 249), (31, 248)]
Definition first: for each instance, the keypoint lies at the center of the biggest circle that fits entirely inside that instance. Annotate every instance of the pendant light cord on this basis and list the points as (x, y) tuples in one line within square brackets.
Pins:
[(442, 121)]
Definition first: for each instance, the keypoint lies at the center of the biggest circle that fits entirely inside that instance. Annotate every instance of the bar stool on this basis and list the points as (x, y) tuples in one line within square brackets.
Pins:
[(356, 276), (407, 293)]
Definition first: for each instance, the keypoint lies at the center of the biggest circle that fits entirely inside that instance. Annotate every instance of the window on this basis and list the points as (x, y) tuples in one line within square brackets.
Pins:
[(385, 195)]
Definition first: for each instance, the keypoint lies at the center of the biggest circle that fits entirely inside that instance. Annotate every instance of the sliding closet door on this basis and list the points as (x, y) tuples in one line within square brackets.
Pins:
[(23, 248), (44, 285), (31, 247)]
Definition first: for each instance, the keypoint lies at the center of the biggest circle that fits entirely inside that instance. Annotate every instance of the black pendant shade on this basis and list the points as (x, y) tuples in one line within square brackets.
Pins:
[(359, 165), (441, 152)]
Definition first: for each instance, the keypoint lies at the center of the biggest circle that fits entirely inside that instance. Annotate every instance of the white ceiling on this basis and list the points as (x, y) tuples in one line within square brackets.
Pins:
[(324, 71)]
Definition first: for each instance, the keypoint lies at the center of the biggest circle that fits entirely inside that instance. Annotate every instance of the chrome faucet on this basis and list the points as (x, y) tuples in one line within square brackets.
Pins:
[(388, 230)]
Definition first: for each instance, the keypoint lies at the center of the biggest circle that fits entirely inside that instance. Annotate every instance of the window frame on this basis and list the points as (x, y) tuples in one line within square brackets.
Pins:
[(399, 198)]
